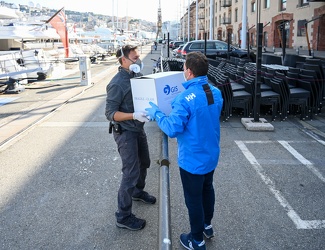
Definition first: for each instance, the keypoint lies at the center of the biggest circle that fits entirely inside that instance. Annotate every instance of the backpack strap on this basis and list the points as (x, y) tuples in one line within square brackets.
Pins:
[(208, 93)]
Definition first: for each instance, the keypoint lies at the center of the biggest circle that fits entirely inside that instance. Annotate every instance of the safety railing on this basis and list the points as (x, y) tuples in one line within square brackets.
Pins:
[(165, 242)]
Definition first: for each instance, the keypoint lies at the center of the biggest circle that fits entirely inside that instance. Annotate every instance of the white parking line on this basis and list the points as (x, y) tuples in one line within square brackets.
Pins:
[(299, 223), (302, 159)]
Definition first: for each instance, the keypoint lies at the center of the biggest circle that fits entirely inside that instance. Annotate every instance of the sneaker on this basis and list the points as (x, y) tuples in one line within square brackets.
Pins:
[(132, 223), (208, 231), (189, 243), (145, 197)]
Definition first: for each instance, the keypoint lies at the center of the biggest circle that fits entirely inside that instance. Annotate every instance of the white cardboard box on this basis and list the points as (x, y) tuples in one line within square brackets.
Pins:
[(160, 88)]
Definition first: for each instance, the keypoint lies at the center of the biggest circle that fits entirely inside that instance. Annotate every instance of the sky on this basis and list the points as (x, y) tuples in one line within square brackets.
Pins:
[(144, 9)]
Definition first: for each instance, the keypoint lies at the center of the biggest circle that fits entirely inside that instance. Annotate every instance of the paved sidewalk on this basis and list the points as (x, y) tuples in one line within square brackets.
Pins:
[(302, 52)]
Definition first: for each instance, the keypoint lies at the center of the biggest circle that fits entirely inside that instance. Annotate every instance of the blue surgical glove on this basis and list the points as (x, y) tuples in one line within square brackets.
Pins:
[(151, 112)]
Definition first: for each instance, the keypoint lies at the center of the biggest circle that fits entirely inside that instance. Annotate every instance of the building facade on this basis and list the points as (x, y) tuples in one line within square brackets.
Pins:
[(303, 22)]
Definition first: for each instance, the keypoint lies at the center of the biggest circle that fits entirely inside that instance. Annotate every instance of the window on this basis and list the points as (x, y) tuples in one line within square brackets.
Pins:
[(266, 4), (236, 15), (303, 3), (196, 46), (210, 45), (253, 7), (283, 5), (252, 39), (301, 30), (266, 38), (221, 46)]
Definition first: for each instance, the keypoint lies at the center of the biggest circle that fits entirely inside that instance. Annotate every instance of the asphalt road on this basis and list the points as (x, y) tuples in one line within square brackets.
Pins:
[(59, 181)]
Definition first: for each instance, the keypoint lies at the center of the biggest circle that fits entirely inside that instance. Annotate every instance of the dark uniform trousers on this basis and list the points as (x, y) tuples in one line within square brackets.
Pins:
[(134, 152)]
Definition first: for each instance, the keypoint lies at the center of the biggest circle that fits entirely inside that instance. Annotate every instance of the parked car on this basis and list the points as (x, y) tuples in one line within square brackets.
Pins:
[(214, 48), (176, 44), (177, 51)]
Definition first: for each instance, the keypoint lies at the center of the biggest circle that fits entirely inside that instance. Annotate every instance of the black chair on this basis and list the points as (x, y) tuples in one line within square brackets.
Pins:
[(235, 85), (240, 70), (271, 59), (267, 97), (270, 71), (234, 99), (293, 74), (320, 75), (291, 100), (317, 81), (243, 100), (316, 100), (319, 62), (263, 86), (213, 62), (173, 64), (292, 59), (294, 70)]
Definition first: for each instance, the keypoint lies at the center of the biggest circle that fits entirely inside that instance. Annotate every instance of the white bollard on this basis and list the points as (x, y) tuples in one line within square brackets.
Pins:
[(85, 74)]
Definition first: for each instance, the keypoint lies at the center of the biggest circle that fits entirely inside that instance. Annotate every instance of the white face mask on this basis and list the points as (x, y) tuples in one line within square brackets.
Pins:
[(184, 73), (136, 66)]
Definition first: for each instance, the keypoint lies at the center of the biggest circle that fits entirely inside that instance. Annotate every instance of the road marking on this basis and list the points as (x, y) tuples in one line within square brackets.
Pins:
[(292, 214), (312, 131), (302, 159)]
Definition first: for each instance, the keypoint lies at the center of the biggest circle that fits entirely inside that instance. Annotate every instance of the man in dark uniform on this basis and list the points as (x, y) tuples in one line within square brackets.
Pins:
[(130, 137)]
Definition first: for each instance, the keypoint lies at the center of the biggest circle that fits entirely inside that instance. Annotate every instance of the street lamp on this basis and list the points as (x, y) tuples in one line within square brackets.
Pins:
[(259, 31)]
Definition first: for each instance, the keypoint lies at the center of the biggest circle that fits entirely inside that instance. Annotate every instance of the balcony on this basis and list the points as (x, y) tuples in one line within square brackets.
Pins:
[(226, 3), (226, 20), (201, 16), (201, 5)]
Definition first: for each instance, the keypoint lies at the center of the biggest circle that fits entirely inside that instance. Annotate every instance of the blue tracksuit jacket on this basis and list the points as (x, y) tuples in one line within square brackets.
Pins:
[(196, 126)]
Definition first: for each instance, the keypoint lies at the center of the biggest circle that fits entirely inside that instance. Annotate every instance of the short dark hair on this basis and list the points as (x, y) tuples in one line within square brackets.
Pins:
[(197, 63), (124, 51)]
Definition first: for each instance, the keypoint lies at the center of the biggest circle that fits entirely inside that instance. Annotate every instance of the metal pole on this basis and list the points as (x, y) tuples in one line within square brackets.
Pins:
[(196, 20), (228, 42), (168, 44), (113, 16), (165, 242), (183, 30), (205, 43), (257, 94), (306, 27), (248, 52), (284, 40), (211, 33), (188, 21), (244, 26)]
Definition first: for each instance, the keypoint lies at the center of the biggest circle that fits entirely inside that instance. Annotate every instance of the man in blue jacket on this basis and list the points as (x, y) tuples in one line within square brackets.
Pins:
[(194, 121)]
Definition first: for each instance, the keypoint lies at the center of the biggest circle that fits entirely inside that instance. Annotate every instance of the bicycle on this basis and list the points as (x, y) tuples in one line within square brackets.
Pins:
[(156, 66)]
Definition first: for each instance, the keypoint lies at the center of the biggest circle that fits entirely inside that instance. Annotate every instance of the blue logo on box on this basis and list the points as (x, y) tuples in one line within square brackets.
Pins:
[(168, 89)]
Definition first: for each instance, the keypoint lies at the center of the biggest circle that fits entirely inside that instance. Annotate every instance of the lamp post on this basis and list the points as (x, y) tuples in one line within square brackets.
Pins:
[(257, 94), (188, 20)]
